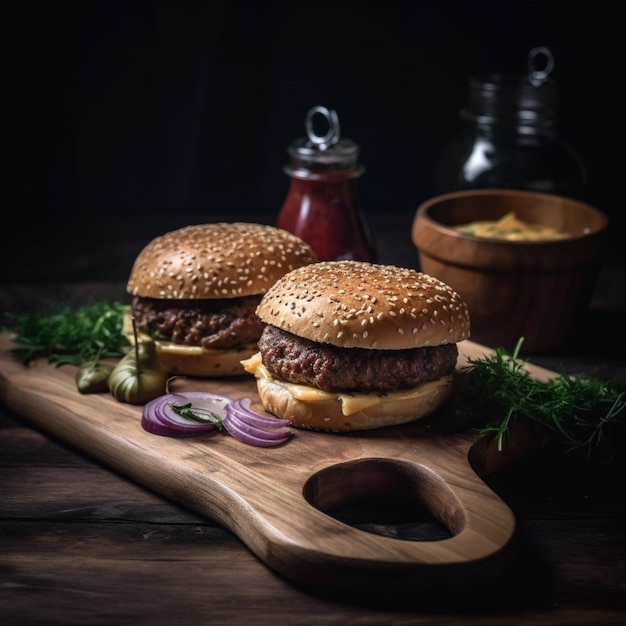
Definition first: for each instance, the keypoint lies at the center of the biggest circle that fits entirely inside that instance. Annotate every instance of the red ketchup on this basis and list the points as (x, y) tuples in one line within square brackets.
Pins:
[(321, 206)]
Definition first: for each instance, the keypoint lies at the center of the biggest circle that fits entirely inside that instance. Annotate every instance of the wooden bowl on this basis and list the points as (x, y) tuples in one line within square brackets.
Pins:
[(513, 289)]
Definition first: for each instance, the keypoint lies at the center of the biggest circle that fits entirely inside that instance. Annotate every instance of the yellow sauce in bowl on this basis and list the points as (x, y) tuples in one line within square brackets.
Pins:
[(511, 228)]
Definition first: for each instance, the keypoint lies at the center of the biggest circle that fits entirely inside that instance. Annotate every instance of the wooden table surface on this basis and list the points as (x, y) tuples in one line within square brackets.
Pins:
[(80, 544)]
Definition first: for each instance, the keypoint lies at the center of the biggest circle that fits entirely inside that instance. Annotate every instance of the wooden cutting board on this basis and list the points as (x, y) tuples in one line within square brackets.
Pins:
[(274, 499)]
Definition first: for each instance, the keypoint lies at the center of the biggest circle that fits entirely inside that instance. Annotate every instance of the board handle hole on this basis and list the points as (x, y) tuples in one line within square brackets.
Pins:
[(387, 497)]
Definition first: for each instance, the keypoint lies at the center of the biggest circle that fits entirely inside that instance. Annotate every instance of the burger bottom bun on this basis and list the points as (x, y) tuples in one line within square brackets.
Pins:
[(196, 361), (327, 415)]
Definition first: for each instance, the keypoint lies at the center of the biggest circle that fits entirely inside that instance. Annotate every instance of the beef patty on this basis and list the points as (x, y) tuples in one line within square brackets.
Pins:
[(301, 361), (212, 324)]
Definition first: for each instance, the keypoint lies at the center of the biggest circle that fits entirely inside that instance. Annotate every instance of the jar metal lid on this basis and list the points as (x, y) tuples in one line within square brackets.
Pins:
[(527, 99)]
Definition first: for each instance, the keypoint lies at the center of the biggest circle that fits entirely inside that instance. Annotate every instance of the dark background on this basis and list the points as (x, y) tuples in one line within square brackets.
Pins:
[(179, 107)]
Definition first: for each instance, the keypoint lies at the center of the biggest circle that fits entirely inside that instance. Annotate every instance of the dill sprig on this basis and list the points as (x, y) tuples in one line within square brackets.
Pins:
[(66, 335), (586, 413)]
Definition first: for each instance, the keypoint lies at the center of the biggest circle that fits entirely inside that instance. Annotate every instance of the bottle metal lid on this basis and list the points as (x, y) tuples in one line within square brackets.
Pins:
[(328, 151)]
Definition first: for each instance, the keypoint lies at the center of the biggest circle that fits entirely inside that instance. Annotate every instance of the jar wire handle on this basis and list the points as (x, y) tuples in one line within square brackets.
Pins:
[(332, 135), (538, 76)]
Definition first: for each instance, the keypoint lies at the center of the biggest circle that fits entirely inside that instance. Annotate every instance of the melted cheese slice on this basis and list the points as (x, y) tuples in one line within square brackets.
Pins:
[(168, 347), (350, 403), (172, 348)]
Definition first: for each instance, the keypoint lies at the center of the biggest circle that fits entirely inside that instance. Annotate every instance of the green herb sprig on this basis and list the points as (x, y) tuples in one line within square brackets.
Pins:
[(586, 413), (196, 414), (66, 335)]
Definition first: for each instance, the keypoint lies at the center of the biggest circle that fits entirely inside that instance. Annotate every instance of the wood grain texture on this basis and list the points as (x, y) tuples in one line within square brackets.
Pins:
[(259, 495), (80, 544)]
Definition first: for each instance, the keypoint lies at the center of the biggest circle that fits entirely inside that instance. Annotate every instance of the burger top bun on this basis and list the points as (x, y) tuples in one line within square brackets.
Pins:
[(216, 261), (353, 304)]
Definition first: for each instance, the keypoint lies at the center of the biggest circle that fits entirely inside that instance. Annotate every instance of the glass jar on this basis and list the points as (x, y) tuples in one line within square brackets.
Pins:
[(510, 138), (321, 206)]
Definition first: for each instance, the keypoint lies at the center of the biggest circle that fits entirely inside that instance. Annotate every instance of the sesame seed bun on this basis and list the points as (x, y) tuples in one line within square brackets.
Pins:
[(380, 309), (209, 278), (352, 304), (215, 261)]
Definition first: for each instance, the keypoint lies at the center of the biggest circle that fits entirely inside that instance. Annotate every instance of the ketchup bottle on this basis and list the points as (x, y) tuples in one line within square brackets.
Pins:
[(321, 206)]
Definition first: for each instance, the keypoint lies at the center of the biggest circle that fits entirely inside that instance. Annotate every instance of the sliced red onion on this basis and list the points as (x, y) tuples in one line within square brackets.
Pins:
[(238, 419), (241, 408), (255, 431), (160, 418), (251, 435)]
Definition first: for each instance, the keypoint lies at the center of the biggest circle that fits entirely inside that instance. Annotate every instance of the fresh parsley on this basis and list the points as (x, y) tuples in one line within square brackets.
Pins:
[(67, 335)]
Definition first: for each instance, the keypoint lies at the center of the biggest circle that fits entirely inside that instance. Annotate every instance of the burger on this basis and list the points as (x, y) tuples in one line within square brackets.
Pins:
[(350, 345), (195, 291)]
